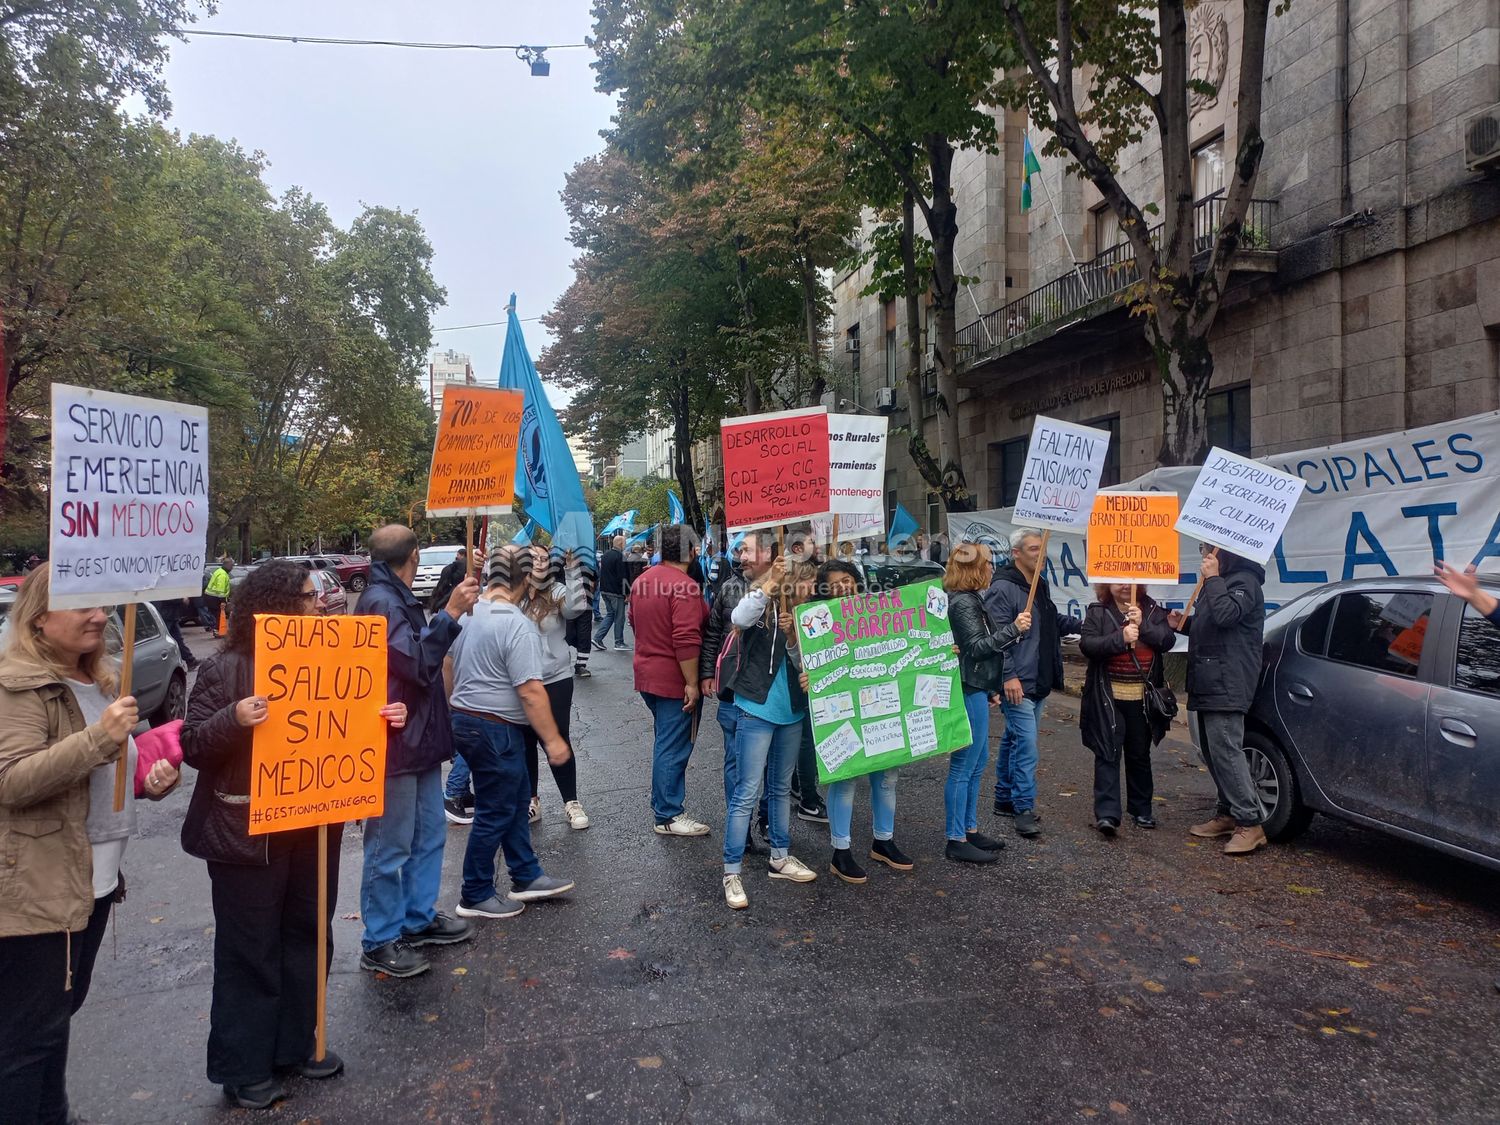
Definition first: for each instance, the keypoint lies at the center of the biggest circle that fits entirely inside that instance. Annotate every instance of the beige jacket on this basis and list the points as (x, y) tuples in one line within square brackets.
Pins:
[(46, 755)]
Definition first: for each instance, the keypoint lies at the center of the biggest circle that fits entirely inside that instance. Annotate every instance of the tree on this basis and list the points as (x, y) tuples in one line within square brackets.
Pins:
[(1090, 67)]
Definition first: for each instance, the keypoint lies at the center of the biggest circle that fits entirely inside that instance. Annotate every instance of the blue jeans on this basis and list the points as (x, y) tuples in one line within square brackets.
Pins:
[(966, 769), (457, 784), (766, 751), (614, 614), (882, 806), (729, 718), (1015, 761), (669, 755), (496, 754), (403, 858)]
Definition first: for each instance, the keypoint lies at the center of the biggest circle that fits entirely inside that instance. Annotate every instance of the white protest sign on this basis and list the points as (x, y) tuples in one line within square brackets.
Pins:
[(129, 498), (1064, 463), (1240, 505), (856, 465), (868, 526)]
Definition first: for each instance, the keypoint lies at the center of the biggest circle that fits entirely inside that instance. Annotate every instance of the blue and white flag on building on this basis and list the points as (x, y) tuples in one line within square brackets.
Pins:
[(547, 485), (674, 508)]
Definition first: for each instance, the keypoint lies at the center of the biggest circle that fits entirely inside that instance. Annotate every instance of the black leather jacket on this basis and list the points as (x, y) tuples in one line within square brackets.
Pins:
[(981, 666)]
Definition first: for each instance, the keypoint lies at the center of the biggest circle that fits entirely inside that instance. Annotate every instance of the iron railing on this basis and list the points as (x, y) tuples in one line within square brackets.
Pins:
[(1096, 285)]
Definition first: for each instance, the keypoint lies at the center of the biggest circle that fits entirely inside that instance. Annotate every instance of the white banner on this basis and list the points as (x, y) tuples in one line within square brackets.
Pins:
[(856, 465), (1377, 506), (129, 498), (1064, 463), (1240, 505), (868, 526)]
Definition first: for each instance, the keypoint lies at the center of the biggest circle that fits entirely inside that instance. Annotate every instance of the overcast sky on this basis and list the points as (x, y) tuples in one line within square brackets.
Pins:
[(467, 139)]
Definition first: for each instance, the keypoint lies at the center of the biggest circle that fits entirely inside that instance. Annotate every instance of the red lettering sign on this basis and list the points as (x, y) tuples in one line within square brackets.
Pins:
[(775, 468)]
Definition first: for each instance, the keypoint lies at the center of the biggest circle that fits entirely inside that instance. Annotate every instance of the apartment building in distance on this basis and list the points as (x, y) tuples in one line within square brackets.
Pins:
[(446, 368), (1366, 301)]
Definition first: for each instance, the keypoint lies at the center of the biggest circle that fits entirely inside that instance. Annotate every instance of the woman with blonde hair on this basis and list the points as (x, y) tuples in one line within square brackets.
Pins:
[(982, 671), (61, 731)]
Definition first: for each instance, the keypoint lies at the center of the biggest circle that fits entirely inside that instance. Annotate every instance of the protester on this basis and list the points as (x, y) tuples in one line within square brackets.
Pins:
[(667, 614), (809, 805), (579, 631), (1033, 669), (555, 596), (262, 1020), (839, 579), (404, 846), (448, 580), (755, 551), (495, 672), (60, 733), (1125, 635), (982, 650), (764, 676), (1224, 656), (214, 595), (1465, 584), (614, 584)]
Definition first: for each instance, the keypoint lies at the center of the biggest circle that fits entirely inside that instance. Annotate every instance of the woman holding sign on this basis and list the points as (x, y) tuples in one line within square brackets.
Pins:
[(60, 731), (1125, 634), (982, 672), (265, 887)]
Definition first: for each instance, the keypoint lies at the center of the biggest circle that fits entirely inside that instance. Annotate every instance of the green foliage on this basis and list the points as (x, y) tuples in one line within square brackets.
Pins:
[(646, 494)]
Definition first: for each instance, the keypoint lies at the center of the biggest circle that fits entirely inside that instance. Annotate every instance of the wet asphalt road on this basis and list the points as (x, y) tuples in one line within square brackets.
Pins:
[(1347, 977)]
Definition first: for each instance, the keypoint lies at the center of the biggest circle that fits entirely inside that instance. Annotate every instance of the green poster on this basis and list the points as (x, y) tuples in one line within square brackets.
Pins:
[(882, 679)]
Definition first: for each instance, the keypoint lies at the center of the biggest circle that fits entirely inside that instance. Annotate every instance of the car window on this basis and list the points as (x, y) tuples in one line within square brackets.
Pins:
[(1478, 664), (438, 556), (1381, 631), (145, 625), (1312, 638)]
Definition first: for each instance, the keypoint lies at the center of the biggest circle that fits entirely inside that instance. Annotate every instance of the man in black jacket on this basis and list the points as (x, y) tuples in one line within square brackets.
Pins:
[(454, 573), (1225, 637), (614, 584)]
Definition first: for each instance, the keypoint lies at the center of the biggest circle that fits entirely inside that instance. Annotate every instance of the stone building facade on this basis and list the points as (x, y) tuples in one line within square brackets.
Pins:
[(1368, 302)]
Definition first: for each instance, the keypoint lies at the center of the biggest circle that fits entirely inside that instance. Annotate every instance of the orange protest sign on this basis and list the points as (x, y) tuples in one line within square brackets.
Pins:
[(319, 758), (1133, 538), (474, 457), (1407, 647)]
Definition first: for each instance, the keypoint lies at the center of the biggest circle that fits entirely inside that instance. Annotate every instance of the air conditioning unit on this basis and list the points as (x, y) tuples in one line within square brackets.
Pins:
[(851, 344), (1482, 140), (829, 399), (885, 397)]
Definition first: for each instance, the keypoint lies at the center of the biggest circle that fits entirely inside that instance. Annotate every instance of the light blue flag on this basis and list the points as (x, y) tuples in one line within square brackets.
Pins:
[(641, 538), (524, 537), (903, 527), (547, 484), (625, 521), (674, 508)]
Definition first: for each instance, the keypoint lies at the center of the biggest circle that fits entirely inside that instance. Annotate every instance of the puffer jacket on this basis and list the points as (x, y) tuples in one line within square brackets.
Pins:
[(981, 646), (1103, 637), (217, 825), (1226, 637), (47, 752)]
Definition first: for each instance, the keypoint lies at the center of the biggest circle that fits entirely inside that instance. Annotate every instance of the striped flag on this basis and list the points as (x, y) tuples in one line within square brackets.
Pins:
[(1029, 166)]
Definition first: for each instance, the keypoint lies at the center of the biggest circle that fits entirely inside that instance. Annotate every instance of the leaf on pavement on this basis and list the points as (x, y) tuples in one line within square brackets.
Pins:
[(460, 971), (650, 1062), (1298, 889), (1153, 986), (1119, 1108), (620, 955)]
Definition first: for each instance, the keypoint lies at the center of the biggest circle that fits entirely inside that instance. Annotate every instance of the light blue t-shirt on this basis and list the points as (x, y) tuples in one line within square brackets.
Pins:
[(778, 705)]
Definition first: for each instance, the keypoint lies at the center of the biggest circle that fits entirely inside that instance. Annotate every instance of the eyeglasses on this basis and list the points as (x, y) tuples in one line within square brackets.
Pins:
[(309, 595)]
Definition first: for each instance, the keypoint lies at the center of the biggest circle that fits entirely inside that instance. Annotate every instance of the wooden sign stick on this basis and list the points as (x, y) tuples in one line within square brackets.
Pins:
[(320, 1049), (781, 553), (126, 677), (1037, 574), (469, 543), (833, 546), (1198, 589)]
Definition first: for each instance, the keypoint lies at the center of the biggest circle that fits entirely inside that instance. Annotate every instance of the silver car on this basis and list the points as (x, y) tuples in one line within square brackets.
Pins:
[(1379, 704)]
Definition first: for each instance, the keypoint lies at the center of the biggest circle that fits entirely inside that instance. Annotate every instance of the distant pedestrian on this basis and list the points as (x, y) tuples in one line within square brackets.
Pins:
[(496, 673), (556, 594), (579, 631), (667, 614), (982, 648), (1225, 635), (448, 580), (262, 1020), (614, 583), (403, 866), (61, 730), (1033, 670), (1125, 635), (215, 594)]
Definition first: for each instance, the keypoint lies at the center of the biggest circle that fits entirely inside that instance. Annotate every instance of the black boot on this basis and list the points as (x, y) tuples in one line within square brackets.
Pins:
[(886, 852), (259, 1095), (988, 843), (844, 866), (961, 851)]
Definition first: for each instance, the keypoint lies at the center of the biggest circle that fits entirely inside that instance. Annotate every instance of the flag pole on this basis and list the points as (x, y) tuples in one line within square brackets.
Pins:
[(320, 1038), (1068, 242)]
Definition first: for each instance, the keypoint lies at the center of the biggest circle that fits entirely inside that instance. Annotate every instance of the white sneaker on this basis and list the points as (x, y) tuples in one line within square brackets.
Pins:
[(577, 818), (734, 893), (793, 869), (534, 814), (681, 826)]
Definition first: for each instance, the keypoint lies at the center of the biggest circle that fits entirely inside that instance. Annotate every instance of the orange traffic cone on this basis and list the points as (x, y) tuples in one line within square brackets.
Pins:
[(223, 621)]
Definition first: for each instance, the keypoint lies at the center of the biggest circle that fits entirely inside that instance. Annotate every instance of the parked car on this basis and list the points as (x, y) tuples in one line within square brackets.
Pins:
[(1379, 704), (886, 572), (352, 571), (158, 677), (330, 591), (430, 566)]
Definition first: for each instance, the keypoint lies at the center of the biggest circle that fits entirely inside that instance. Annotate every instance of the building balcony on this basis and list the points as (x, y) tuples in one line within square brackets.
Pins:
[(1091, 301)]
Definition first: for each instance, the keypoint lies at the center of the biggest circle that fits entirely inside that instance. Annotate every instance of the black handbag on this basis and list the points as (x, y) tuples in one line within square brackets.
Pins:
[(1160, 703)]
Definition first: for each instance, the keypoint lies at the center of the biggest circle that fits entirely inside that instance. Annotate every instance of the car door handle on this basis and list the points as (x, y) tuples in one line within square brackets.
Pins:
[(1461, 734), (1300, 693)]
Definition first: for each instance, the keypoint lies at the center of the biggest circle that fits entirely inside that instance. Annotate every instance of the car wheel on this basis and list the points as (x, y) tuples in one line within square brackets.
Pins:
[(1286, 817), (174, 703), (357, 583)]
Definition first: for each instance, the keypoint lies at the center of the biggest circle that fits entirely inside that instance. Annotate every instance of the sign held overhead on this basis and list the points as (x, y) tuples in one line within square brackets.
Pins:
[(1064, 464), (1240, 505), (474, 458), (775, 467)]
